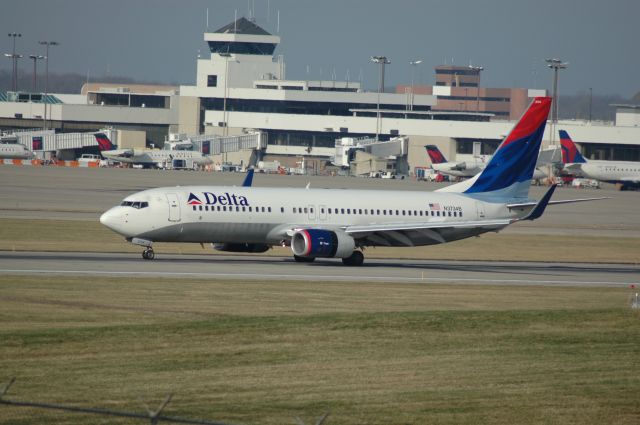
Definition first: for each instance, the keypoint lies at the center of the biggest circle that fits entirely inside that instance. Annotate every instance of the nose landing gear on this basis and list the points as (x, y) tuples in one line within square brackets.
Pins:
[(148, 254)]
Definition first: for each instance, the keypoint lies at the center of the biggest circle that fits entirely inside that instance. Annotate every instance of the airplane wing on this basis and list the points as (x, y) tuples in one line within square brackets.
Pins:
[(400, 234), (573, 168), (118, 154), (403, 234), (458, 166)]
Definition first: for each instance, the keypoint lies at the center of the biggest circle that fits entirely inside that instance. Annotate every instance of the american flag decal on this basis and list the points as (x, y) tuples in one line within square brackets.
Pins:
[(434, 206)]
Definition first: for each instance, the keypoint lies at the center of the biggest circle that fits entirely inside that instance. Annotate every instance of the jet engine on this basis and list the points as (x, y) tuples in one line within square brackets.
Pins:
[(322, 243), (241, 247)]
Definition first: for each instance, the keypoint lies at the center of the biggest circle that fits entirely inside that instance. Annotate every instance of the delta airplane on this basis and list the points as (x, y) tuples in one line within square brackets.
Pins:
[(158, 158), (11, 149), (456, 169), (467, 169), (339, 223), (625, 174)]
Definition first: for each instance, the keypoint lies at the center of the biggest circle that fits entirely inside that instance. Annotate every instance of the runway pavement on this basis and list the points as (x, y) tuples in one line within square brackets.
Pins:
[(177, 267)]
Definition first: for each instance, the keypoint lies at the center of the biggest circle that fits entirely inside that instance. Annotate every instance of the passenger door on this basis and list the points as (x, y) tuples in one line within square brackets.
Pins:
[(174, 207)]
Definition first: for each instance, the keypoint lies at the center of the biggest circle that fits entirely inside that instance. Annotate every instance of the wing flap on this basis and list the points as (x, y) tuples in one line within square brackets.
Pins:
[(392, 227)]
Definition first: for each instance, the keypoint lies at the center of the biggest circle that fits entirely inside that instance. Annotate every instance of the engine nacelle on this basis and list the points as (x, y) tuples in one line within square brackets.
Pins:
[(241, 247), (322, 243)]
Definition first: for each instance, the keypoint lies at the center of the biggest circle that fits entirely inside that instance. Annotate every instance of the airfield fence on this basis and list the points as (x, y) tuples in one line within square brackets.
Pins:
[(26, 412)]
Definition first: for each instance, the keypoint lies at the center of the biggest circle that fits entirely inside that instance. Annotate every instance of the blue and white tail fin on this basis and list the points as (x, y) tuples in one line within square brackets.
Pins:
[(508, 174), (570, 153), (248, 180)]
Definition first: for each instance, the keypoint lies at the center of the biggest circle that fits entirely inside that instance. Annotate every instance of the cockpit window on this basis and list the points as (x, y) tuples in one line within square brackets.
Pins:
[(137, 205)]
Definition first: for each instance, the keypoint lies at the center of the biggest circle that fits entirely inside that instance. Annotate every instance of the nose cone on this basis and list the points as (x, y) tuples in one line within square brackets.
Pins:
[(113, 219)]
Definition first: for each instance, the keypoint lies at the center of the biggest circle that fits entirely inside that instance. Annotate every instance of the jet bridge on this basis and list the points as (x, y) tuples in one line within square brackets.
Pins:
[(347, 146)]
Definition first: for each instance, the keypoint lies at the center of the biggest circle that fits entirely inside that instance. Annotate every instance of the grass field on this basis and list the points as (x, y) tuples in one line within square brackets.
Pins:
[(89, 236), (265, 352)]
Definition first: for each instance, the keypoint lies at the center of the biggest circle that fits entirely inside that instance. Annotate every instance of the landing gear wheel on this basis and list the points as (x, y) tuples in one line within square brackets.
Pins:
[(304, 259), (355, 259), (148, 254)]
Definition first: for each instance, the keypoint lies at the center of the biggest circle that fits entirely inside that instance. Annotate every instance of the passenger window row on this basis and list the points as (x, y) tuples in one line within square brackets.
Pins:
[(230, 208), (335, 211), (364, 211)]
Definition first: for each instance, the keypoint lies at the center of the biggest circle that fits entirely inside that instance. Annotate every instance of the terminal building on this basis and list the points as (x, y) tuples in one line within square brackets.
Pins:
[(243, 87)]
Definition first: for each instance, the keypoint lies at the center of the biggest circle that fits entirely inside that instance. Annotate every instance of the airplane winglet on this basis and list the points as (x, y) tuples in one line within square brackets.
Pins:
[(248, 180), (541, 205)]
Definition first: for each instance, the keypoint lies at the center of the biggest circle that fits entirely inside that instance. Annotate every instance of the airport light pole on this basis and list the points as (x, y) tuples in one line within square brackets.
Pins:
[(225, 132), (382, 60), (14, 78), (590, 102), (477, 69), (556, 65), (35, 58), (46, 79), (413, 65)]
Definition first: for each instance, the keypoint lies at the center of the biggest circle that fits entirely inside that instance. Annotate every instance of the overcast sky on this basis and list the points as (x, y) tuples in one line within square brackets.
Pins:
[(159, 40)]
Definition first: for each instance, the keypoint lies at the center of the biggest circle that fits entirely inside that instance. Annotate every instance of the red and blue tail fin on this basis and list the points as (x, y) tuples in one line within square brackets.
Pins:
[(104, 144), (510, 170), (570, 153), (435, 155)]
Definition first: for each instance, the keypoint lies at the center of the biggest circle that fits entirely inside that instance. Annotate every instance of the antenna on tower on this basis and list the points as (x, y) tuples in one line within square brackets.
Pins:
[(278, 26), (207, 18)]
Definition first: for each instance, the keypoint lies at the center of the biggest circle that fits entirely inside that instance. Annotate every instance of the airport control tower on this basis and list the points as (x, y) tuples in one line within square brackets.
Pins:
[(241, 53)]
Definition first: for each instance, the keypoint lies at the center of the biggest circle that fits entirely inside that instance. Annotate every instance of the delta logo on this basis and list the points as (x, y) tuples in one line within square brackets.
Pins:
[(193, 200), (211, 198)]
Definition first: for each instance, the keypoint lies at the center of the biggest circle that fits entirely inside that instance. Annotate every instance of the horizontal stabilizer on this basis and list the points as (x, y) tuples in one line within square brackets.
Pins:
[(541, 205)]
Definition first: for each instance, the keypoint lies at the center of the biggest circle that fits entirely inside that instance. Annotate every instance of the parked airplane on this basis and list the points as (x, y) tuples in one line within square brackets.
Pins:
[(182, 151), (471, 168), (10, 148), (456, 169), (325, 223), (104, 143), (624, 174)]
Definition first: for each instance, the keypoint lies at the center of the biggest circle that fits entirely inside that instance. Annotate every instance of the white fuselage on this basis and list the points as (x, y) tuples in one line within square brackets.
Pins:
[(610, 171), (155, 157), (15, 151), (460, 169), (265, 215), (471, 169)]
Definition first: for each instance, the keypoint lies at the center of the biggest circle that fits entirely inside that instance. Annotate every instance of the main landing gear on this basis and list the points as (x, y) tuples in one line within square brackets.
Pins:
[(148, 254), (300, 259), (355, 259)]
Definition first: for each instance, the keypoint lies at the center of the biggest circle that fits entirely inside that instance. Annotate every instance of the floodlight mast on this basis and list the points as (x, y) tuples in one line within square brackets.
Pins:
[(555, 64), (46, 79), (382, 61), (413, 65), (477, 69)]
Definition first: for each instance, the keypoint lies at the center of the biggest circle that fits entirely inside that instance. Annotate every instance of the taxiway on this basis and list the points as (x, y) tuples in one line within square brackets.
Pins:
[(286, 269)]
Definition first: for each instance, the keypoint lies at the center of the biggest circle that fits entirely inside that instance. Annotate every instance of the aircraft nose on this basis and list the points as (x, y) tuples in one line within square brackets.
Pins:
[(111, 219)]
